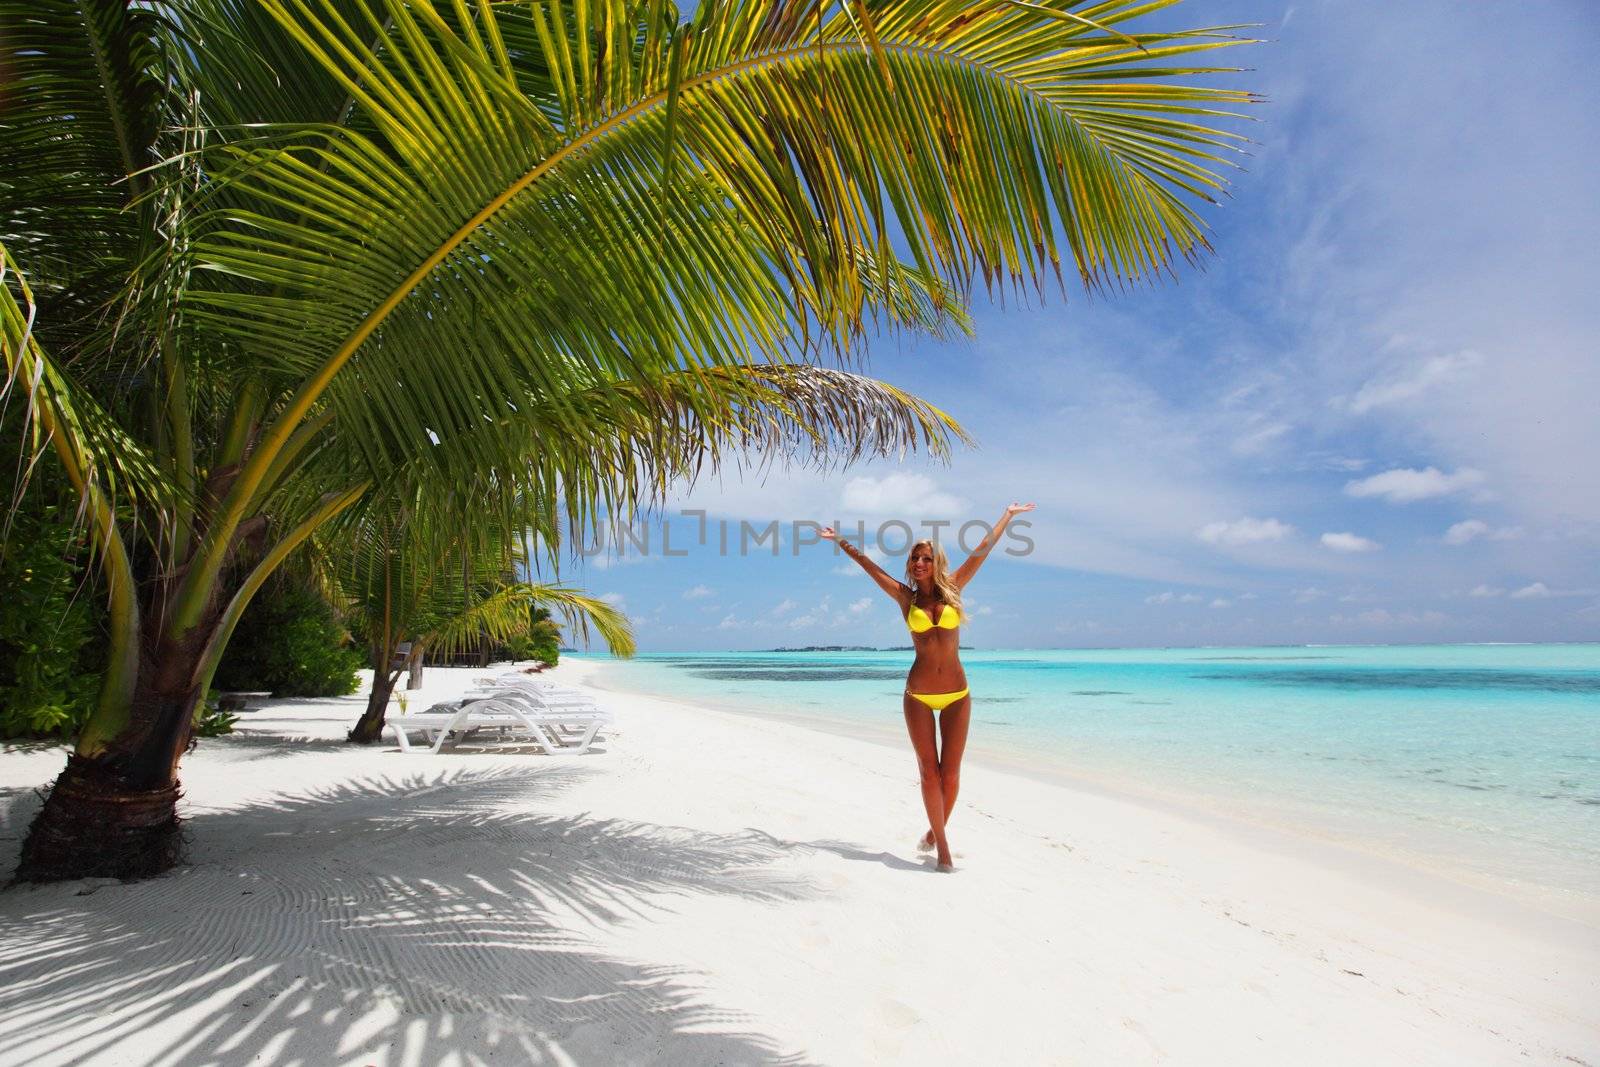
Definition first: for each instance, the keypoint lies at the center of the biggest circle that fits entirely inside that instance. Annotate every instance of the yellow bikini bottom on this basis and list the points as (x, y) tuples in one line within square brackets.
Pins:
[(938, 701)]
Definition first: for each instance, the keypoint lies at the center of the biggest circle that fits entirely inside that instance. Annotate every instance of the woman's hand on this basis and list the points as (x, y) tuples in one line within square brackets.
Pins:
[(829, 533), (1014, 509)]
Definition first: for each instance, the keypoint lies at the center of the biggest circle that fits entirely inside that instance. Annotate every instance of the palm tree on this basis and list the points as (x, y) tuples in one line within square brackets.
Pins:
[(284, 256), (403, 581)]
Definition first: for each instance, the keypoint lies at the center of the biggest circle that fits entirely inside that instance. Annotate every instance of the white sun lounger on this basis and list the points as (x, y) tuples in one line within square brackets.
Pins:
[(514, 679), (545, 694), (569, 713), (551, 729), (548, 692)]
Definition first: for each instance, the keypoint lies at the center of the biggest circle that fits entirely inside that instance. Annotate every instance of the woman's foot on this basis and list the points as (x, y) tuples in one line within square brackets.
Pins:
[(925, 842), (946, 866)]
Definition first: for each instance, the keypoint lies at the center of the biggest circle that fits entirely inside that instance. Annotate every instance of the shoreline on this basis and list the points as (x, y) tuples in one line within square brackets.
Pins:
[(705, 887), (1479, 894)]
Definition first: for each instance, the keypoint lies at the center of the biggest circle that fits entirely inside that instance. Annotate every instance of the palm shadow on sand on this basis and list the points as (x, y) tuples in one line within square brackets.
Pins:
[(436, 919)]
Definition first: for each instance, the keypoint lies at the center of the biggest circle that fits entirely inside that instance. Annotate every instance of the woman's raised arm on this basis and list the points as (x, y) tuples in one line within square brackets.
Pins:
[(895, 589), (964, 573)]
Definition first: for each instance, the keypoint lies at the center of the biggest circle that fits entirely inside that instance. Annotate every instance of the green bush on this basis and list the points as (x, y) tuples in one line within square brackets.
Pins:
[(546, 638), (212, 720), (290, 642), (542, 641), (49, 627)]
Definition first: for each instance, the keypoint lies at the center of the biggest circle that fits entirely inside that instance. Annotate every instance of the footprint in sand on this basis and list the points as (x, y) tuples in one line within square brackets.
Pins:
[(897, 1014), (815, 936)]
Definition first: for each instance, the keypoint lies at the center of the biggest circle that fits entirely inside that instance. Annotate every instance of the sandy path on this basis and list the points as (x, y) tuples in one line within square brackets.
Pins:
[(706, 888)]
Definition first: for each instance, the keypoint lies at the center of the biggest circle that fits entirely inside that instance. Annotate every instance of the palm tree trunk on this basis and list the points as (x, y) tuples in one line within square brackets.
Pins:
[(112, 813), (369, 727), (414, 666)]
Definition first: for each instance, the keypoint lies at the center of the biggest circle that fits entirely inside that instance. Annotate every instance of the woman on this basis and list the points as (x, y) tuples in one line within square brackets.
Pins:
[(930, 603)]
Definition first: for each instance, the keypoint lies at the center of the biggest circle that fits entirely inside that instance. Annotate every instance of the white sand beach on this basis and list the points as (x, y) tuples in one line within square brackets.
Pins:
[(708, 888)]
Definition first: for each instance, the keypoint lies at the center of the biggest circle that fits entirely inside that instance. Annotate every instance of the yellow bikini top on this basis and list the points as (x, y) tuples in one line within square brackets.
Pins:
[(918, 621)]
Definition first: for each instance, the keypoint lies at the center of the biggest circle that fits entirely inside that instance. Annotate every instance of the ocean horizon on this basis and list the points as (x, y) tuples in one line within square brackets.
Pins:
[(1479, 761)]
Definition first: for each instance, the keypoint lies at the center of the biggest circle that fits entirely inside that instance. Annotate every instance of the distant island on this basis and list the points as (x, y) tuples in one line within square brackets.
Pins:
[(832, 648)]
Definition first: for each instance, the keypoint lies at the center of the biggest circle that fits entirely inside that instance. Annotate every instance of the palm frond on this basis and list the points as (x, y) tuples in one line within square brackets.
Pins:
[(1007, 144), (536, 469), (79, 117), (503, 614), (101, 458)]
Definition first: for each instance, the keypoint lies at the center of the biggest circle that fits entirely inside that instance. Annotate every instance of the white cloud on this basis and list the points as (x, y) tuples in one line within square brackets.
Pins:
[(1471, 529), (1385, 617), (1245, 531), (1404, 485), (1246, 596), (1349, 542), (1257, 441), (697, 592), (1393, 388), (904, 494), (1220, 602), (1170, 597), (785, 607), (859, 606), (1306, 596), (1533, 591), (1462, 532), (616, 600), (730, 622)]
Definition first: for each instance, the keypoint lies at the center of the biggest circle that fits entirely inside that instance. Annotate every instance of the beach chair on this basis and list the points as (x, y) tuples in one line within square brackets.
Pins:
[(567, 715), (555, 697), (546, 695), (556, 731), (524, 681)]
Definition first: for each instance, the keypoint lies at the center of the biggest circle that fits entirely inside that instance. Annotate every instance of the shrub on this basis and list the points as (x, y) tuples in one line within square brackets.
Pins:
[(546, 637), (541, 641), (290, 642), (212, 720), (49, 621)]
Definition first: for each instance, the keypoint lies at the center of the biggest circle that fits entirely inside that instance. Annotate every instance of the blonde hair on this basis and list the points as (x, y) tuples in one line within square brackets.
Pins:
[(948, 593)]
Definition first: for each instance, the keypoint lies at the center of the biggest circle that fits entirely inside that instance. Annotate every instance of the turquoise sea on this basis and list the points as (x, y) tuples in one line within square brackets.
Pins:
[(1478, 761)]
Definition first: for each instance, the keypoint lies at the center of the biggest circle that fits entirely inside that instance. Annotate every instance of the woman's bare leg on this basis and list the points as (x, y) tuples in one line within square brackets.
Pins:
[(953, 723), (919, 724)]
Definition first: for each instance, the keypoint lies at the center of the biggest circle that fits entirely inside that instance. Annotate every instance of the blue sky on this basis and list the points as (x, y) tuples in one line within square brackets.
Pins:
[(1372, 416)]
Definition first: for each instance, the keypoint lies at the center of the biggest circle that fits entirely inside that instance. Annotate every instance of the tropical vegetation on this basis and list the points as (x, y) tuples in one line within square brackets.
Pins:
[(49, 632), (290, 642), (520, 264), (405, 581)]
